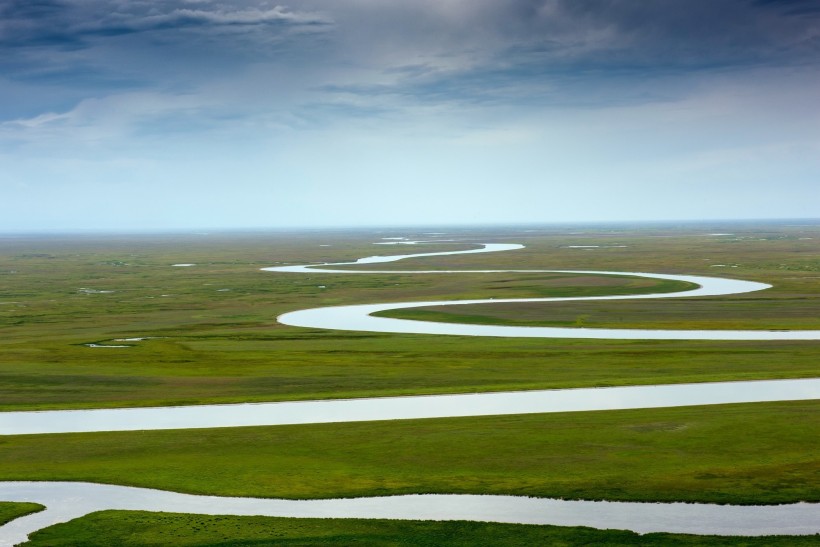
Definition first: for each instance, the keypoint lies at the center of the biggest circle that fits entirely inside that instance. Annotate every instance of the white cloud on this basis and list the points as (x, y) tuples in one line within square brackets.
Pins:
[(98, 120), (184, 17)]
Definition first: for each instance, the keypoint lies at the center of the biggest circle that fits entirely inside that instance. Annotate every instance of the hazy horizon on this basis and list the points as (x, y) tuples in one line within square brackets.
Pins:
[(196, 115), (417, 229)]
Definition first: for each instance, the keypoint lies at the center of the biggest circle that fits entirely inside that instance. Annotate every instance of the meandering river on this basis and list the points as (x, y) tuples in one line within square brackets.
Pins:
[(66, 501), (70, 500), (358, 317)]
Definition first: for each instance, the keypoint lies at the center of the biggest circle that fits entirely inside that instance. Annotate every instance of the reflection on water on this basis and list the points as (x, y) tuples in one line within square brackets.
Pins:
[(67, 500)]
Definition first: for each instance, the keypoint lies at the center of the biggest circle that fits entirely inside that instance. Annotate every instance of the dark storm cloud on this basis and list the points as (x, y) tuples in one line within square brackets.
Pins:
[(186, 18), (793, 7), (363, 56), (55, 53), (36, 23), (717, 31), (26, 23), (567, 51), (478, 50)]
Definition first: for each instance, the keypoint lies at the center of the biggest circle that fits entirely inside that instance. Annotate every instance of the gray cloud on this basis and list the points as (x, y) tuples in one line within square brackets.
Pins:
[(792, 7), (428, 50), (361, 58), (73, 24), (565, 52), (55, 53)]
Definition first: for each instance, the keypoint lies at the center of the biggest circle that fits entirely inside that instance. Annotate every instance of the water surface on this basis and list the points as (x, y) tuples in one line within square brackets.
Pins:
[(410, 407), (70, 500), (359, 317)]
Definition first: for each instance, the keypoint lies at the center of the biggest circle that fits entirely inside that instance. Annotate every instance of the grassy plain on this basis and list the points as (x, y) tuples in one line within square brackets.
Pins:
[(798, 313), (134, 528), (676, 454), (215, 338), (789, 261)]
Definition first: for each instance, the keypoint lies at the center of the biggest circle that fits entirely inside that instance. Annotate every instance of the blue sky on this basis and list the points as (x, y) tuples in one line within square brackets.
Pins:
[(184, 114)]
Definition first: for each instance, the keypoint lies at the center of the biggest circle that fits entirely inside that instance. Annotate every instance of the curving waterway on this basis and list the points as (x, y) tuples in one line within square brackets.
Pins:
[(358, 317), (69, 500)]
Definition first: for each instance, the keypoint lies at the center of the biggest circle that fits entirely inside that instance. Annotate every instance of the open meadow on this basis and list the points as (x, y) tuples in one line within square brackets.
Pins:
[(106, 321)]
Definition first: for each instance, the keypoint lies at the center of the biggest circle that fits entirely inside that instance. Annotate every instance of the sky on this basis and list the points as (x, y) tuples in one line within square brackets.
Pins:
[(187, 114)]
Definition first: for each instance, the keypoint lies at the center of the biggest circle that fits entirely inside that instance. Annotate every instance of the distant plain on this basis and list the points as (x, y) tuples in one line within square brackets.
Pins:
[(211, 336)]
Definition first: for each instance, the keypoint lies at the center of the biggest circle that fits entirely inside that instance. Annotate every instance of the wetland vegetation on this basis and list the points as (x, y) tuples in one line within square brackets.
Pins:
[(11, 510), (210, 336), (695, 454), (213, 335), (137, 529)]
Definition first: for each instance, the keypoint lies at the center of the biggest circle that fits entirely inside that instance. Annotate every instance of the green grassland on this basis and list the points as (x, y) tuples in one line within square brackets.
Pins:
[(136, 528), (216, 338), (11, 510), (794, 313), (697, 454)]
